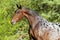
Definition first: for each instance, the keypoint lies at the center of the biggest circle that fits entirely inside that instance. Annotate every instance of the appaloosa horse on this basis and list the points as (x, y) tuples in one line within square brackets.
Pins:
[(39, 29)]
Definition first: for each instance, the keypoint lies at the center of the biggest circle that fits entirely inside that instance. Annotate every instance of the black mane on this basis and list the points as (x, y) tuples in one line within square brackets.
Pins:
[(31, 12)]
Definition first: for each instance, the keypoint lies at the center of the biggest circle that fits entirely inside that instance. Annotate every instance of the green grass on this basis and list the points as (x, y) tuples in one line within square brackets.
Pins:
[(20, 29), (7, 30)]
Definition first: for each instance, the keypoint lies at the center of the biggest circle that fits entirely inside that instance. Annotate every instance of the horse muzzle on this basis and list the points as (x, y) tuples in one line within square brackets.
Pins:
[(13, 22)]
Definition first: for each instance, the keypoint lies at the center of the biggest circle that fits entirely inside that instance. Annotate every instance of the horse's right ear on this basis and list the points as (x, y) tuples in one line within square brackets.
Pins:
[(19, 7)]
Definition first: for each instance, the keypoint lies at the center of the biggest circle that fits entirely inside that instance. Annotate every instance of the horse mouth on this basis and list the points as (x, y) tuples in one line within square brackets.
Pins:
[(13, 22)]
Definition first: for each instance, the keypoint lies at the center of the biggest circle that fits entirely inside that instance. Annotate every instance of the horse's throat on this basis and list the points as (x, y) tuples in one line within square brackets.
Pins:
[(31, 20)]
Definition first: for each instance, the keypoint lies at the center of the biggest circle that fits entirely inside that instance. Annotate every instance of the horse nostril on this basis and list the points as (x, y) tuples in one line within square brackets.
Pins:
[(12, 23)]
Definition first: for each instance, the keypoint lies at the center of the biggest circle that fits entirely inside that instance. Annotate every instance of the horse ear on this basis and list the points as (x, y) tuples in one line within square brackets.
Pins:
[(20, 7)]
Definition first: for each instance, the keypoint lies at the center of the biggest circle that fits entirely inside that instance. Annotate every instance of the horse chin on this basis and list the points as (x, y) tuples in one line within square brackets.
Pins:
[(13, 22)]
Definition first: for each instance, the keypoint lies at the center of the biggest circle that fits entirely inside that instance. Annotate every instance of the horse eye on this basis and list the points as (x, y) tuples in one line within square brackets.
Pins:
[(17, 12)]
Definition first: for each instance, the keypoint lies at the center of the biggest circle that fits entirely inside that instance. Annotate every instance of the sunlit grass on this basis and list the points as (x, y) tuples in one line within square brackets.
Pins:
[(20, 29)]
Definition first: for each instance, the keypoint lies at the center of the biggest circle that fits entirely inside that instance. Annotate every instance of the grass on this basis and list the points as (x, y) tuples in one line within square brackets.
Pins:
[(20, 29)]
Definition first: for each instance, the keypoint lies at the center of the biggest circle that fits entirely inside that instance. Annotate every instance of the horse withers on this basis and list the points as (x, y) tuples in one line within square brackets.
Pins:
[(39, 29)]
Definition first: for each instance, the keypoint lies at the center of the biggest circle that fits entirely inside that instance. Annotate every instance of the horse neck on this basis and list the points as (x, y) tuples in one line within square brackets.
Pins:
[(31, 19)]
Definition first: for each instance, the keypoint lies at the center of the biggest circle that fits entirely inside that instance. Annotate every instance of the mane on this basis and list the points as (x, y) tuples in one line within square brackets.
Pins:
[(31, 12)]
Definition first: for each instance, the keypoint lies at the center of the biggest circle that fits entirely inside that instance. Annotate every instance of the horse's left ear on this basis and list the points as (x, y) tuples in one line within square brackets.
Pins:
[(19, 7)]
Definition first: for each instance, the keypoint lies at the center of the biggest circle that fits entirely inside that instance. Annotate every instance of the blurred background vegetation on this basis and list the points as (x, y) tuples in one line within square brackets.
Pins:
[(48, 9)]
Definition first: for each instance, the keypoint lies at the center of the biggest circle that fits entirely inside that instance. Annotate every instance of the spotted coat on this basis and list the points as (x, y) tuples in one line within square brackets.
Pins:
[(53, 29)]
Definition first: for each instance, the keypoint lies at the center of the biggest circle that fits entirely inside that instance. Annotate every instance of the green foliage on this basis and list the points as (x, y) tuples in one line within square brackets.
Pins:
[(48, 9)]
